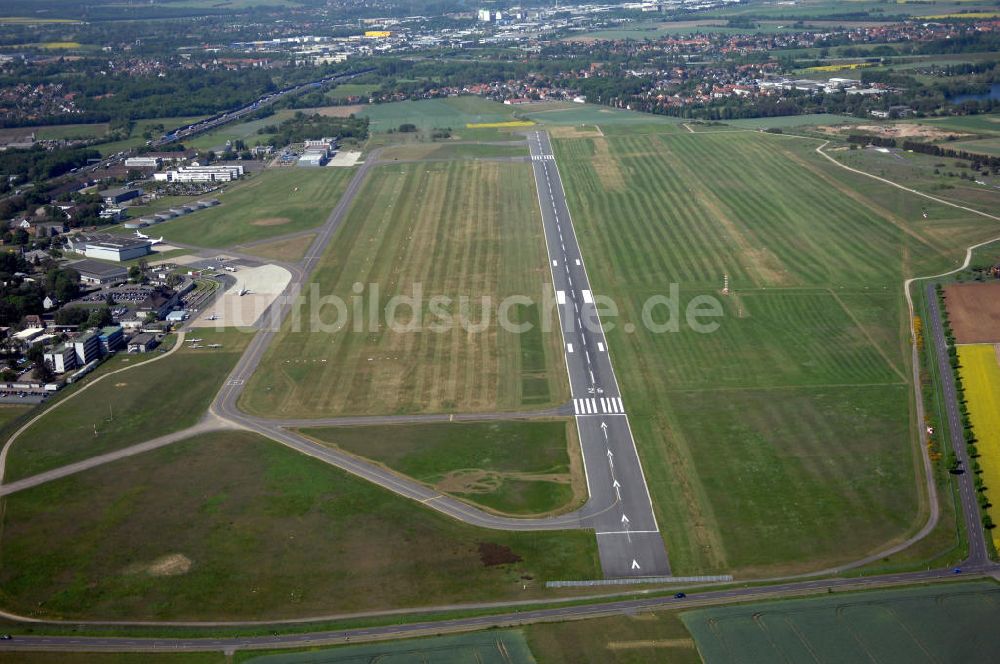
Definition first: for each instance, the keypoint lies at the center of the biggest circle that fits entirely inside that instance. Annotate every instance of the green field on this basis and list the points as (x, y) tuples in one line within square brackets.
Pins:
[(9, 412), (491, 647), (937, 623), (129, 407), (454, 113), (790, 121), (30, 657), (453, 151), (513, 467), (987, 146), (917, 171), (238, 131), (976, 124), (451, 229), (269, 204), (635, 638), (345, 90), (783, 440), (70, 131), (609, 119), (232, 526), (876, 9)]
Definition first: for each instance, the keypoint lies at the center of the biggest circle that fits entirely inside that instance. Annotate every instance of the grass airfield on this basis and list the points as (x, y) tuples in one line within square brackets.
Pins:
[(277, 535), (784, 440), (453, 229)]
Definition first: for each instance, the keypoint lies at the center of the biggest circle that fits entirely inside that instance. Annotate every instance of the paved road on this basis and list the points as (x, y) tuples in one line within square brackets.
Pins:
[(361, 634), (966, 487), (628, 536)]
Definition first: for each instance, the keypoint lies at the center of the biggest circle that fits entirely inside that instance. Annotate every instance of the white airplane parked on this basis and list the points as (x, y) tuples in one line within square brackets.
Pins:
[(143, 236), (194, 341), (213, 317), (244, 291)]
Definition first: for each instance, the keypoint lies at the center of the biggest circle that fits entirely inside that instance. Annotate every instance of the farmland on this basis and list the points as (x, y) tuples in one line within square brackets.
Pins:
[(514, 467), (454, 113), (621, 639), (795, 412), (275, 202), (939, 623), (974, 312), (278, 535), (980, 370), (86, 425), (452, 229), (490, 647)]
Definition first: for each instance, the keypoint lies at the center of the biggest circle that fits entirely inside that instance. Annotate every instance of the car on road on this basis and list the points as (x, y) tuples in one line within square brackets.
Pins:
[(680, 596)]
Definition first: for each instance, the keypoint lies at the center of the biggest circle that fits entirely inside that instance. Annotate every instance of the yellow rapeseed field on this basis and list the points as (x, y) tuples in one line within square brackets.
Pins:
[(499, 125), (981, 380), (969, 15), (849, 65)]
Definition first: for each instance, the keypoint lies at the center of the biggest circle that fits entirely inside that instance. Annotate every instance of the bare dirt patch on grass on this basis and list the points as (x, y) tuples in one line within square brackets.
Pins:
[(607, 166), (896, 131), (271, 221), (974, 311), (337, 111), (288, 249), (574, 131), (173, 564), (474, 480)]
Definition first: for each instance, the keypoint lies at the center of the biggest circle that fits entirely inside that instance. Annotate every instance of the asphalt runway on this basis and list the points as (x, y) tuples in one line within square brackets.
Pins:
[(620, 509)]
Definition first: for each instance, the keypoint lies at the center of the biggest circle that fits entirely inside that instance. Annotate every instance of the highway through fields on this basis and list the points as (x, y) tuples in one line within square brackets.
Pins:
[(966, 488), (508, 618), (628, 537)]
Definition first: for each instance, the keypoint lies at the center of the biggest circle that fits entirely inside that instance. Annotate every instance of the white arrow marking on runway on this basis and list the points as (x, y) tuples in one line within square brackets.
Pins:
[(604, 428), (624, 520), (635, 564), (628, 535), (618, 489)]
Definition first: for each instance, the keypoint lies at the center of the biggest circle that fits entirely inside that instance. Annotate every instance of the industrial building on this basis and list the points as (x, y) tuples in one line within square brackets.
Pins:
[(220, 173), (113, 197), (97, 273), (324, 145), (143, 162), (142, 343), (312, 160), (108, 247)]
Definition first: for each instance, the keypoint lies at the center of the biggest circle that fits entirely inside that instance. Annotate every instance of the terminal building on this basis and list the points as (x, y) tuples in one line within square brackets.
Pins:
[(220, 173)]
